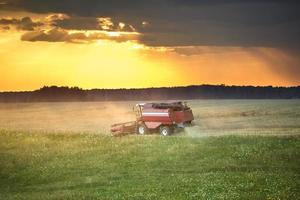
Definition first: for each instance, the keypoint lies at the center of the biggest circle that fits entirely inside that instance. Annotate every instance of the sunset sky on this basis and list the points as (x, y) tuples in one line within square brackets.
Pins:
[(151, 43)]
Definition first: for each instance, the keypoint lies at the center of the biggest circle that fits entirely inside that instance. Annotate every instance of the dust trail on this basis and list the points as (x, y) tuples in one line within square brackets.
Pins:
[(194, 131), (65, 116), (244, 117), (117, 113)]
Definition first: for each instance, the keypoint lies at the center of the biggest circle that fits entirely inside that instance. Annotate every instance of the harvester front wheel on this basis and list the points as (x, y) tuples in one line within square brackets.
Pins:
[(165, 130), (142, 129)]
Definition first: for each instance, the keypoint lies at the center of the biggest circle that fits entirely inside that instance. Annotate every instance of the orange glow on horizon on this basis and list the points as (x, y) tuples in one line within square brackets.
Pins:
[(109, 64)]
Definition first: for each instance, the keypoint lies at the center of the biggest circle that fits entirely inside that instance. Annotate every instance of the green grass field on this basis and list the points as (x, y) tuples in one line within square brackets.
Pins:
[(93, 166), (237, 149)]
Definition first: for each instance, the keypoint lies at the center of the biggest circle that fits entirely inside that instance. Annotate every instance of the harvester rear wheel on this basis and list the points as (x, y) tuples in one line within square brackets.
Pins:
[(165, 130), (142, 129)]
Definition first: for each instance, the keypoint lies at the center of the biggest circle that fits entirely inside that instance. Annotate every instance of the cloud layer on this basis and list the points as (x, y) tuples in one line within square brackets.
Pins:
[(270, 23), (24, 23), (60, 35), (64, 28)]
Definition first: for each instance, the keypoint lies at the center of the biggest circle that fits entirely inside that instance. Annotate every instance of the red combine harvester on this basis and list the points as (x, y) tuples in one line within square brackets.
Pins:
[(150, 117)]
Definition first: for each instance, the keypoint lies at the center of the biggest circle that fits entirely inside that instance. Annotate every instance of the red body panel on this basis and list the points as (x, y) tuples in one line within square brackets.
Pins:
[(157, 115), (153, 118), (183, 116), (153, 125)]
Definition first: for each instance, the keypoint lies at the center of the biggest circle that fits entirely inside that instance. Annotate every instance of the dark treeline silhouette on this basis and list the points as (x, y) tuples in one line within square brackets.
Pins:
[(55, 93)]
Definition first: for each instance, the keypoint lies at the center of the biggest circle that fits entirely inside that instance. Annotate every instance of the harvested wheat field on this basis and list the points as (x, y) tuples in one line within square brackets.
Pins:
[(212, 117)]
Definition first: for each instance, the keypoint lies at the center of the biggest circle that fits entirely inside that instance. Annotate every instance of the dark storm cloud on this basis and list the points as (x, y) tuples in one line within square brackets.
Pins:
[(24, 23), (270, 23), (89, 23), (60, 35), (83, 23)]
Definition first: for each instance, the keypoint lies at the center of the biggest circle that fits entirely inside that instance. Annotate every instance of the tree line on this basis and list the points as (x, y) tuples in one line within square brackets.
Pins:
[(55, 93)]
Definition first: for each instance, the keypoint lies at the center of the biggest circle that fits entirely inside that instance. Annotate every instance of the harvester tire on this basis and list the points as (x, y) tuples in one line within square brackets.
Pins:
[(165, 130), (142, 129)]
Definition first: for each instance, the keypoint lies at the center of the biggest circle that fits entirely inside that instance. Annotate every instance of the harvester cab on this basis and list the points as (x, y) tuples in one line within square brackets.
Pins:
[(138, 110)]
